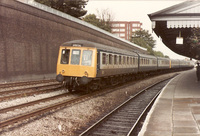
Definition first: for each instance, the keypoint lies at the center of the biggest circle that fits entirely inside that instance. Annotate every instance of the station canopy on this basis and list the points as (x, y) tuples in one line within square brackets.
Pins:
[(179, 28)]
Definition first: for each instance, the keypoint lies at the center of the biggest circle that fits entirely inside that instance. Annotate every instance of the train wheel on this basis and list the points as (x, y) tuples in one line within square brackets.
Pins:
[(114, 81), (103, 83), (94, 86), (64, 86), (70, 90), (124, 79)]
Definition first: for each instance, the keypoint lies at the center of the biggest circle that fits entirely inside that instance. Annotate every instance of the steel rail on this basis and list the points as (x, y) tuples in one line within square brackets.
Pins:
[(32, 103), (5, 85), (24, 94), (27, 88)]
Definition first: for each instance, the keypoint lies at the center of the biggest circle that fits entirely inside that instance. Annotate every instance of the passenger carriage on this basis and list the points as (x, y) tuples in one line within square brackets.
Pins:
[(147, 63), (163, 63), (174, 63)]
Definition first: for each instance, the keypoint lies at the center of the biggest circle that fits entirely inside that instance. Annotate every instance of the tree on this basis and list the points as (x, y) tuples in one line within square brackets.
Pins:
[(102, 19), (166, 56), (159, 54), (106, 17), (72, 7), (144, 39), (92, 19), (194, 39)]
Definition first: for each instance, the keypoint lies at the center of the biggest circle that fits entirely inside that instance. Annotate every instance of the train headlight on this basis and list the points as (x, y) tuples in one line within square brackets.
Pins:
[(63, 71), (86, 73)]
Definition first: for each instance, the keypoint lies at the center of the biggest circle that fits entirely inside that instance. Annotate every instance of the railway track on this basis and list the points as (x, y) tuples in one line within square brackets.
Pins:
[(34, 113), (32, 103), (124, 119), (14, 84), (23, 91)]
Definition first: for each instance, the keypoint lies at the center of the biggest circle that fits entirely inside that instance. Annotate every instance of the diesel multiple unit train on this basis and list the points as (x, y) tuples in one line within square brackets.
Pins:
[(88, 64)]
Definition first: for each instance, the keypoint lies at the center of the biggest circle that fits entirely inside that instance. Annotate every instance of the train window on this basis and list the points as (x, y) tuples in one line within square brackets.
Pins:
[(127, 60), (75, 57), (154, 62), (110, 58), (124, 60), (141, 61), (103, 58), (87, 58), (135, 61), (120, 60), (115, 59), (131, 61), (65, 56)]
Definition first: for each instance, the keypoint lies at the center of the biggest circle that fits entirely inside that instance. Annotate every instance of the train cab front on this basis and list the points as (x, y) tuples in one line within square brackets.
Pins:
[(76, 66)]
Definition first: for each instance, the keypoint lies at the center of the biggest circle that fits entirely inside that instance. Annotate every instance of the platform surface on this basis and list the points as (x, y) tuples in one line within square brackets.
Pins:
[(176, 111)]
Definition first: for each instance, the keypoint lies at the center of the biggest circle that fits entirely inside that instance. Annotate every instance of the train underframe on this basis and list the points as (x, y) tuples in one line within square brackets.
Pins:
[(93, 84)]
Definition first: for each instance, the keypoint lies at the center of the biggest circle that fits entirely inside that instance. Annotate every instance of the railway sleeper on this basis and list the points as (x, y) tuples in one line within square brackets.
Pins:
[(110, 131)]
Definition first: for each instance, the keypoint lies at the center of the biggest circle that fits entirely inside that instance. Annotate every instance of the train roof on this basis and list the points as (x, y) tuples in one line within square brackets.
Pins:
[(162, 58), (147, 56), (85, 43)]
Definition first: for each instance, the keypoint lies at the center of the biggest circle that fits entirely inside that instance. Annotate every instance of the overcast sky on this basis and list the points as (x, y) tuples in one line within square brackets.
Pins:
[(136, 10)]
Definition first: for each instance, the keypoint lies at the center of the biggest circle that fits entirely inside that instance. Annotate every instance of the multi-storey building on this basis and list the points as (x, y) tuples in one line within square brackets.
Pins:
[(124, 29)]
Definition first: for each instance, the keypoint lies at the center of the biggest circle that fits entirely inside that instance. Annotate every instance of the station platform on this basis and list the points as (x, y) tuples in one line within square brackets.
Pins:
[(176, 112)]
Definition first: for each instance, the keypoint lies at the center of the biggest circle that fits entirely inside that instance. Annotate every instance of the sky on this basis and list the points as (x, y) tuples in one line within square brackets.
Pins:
[(136, 10)]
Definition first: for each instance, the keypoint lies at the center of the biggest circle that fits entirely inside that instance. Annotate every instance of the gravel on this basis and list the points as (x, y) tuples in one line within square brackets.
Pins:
[(71, 120)]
